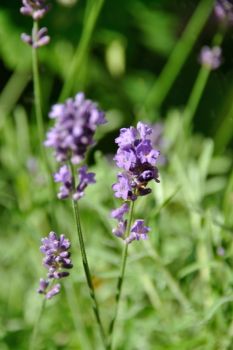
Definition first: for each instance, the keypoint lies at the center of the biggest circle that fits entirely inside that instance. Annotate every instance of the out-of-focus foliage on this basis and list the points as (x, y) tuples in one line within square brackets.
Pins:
[(178, 288)]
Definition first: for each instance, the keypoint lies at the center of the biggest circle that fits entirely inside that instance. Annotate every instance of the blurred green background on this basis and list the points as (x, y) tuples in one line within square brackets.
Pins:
[(139, 60)]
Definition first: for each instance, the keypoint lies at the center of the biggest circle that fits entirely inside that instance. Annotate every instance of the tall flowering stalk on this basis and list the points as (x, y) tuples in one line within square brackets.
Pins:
[(72, 135), (137, 158), (39, 37), (210, 58), (37, 9)]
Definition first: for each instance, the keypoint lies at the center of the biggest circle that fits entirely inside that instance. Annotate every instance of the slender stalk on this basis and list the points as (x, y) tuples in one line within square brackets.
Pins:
[(87, 271), (37, 92), (162, 85), (199, 86), (33, 340), (120, 280), (95, 305), (196, 94), (40, 123)]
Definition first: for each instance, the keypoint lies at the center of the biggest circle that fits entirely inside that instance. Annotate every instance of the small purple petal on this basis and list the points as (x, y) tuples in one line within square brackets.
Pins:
[(120, 212), (52, 292), (119, 231)]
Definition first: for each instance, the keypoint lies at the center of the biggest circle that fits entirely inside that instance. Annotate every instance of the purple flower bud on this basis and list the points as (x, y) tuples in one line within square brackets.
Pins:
[(119, 231), (120, 212), (55, 290), (211, 57), (27, 39), (43, 286), (39, 39)]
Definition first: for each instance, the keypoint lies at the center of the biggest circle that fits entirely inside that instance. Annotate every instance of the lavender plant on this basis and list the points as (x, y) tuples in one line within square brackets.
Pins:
[(72, 135), (36, 9), (138, 159)]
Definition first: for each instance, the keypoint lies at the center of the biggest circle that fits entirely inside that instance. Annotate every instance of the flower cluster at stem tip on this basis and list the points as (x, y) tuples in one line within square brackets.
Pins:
[(57, 261), (76, 121), (211, 57), (224, 11), (138, 159), (37, 10)]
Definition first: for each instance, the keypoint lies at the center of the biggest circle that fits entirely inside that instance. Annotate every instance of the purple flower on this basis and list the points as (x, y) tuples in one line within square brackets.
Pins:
[(119, 231), (138, 231), (224, 11), (75, 124), (85, 179), (138, 158), (146, 154), (125, 158), (53, 291), (66, 189), (34, 8), (57, 258), (127, 137), (144, 130), (120, 212), (122, 188), (64, 176), (211, 57), (39, 39), (43, 286)]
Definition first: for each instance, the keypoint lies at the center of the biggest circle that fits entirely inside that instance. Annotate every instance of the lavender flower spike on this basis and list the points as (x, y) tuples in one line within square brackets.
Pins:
[(56, 260), (137, 157), (224, 11), (211, 57), (75, 124), (34, 8)]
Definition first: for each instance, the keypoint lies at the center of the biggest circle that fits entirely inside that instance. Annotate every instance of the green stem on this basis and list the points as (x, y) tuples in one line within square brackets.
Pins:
[(37, 93), (120, 279), (195, 96), (83, 47), (95, 305), (39, 120), (199, 86), (87, 270), (161, 87), (33, 343)]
